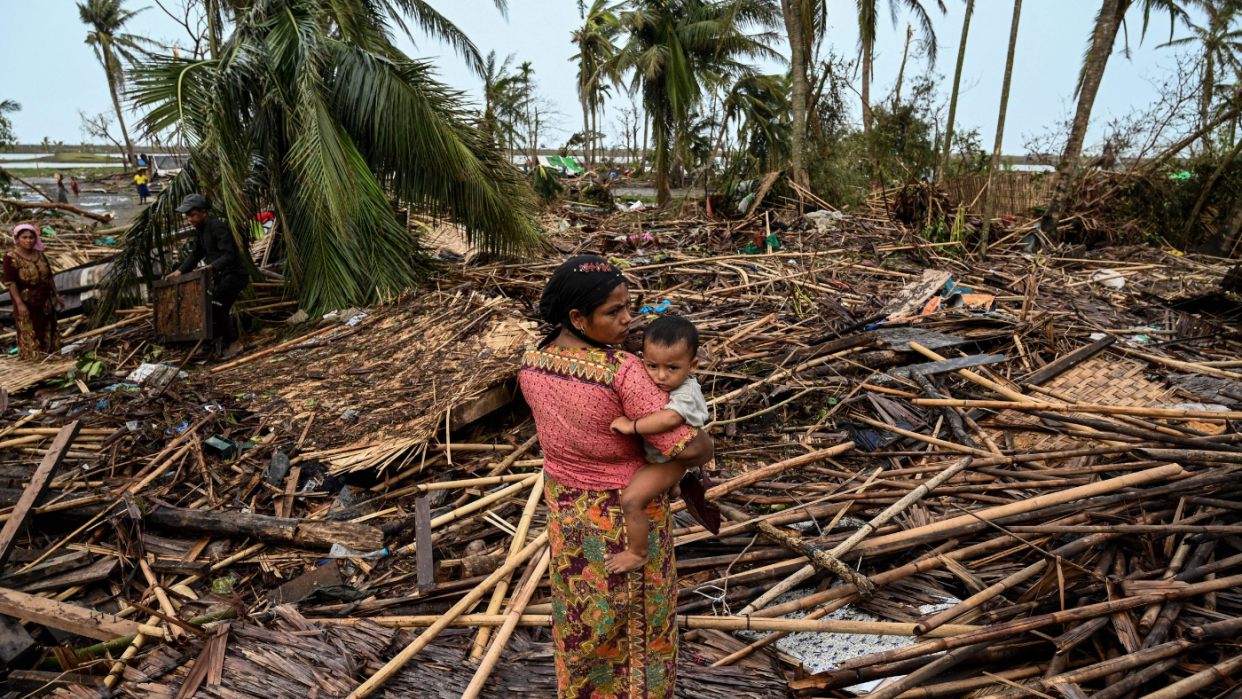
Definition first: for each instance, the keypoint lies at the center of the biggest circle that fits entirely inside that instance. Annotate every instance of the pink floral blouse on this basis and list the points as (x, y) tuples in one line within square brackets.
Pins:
[(575, 394)]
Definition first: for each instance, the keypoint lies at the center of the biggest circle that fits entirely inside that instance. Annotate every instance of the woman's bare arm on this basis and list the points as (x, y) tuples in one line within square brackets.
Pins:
[(699, 451)]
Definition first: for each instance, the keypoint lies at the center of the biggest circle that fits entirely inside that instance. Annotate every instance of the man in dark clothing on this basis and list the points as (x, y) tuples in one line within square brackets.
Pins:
[(215, 246)]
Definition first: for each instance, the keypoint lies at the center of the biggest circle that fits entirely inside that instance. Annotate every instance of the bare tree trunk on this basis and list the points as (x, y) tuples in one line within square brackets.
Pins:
[(109, 70), (866, 90), (901, 74), (792, 9), (990, 198), (957, 82), (660, 141), (1206, 106), (1067, 168), (595, 130), (642, 157), (586, 129)]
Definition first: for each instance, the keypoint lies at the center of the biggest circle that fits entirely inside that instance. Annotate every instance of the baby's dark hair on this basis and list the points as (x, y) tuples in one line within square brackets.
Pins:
[(670, 331)]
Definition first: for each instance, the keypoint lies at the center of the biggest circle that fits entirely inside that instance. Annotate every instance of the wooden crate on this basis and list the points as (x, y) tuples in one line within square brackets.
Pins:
[(183, 307)]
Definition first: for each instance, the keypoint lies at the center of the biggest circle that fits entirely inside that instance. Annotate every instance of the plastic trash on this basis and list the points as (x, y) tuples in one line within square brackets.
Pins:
[(1108, 278), (154, 374), (339, 551)]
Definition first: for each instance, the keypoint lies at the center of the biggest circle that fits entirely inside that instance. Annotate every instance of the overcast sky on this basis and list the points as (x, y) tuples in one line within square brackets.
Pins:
[(47, 67)]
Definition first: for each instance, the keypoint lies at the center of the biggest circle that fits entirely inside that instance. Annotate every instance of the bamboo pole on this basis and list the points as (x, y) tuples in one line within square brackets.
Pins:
[(767, 472), (442, 622), (273, 350), (686, 622), (991, 592), (1064, 496), (526, 588), (924, 438), (863, 532), (519, 540), (1000, 632), (472, 507), (1082, 408), (1199, 680)]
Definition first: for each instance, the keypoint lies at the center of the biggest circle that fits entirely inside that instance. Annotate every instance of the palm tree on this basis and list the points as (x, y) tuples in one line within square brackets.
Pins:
[(674, 47), (1221, 40), (990, 199), (498, 95), (1103, 36), (107, 19), (595, 50), (957, 82), (868, 14), (522, 94), (800, 30), (315, 115)]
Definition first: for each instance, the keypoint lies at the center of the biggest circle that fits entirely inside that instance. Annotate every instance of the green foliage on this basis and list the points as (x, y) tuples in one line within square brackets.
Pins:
[(547, 183), (675, 49), (1160, 206), (7, 138), (87, 368), (314, 114)]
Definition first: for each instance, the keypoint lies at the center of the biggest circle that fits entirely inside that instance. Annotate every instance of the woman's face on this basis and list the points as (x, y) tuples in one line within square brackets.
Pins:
[(26, 240), (609, 323)]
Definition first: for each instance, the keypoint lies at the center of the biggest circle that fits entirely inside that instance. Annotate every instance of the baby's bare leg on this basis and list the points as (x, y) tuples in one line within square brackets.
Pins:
[(645, 486)]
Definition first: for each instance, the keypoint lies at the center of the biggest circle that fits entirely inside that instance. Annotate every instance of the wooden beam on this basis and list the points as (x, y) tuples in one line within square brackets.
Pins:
[(422, 536), (39, 484), (1069, 361), (65, 617)]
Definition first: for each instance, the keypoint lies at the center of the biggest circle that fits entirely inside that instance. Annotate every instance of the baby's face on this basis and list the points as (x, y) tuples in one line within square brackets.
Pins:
[(668, 367)]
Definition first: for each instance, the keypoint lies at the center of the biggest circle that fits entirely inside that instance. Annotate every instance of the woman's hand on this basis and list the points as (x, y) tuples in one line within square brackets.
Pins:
[(60, 303), (19, 307), (623, 425)]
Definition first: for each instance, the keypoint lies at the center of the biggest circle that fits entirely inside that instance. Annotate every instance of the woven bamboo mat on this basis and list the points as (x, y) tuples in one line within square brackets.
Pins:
[(16, 374), (1102, 380)]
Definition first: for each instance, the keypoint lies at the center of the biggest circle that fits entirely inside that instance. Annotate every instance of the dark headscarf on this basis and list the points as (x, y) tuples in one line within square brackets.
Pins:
[(581, 283)]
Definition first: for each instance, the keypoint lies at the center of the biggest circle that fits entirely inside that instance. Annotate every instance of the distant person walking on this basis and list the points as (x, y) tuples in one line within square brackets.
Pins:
[(32, 289), (73, 183), (62, 194), (141, 180), (215, 245)]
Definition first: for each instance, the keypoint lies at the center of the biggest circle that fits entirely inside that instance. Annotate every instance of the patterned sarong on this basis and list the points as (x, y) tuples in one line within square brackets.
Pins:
[(616, 637)]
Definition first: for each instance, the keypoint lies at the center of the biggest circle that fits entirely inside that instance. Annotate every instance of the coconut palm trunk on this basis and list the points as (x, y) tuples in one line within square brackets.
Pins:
[(792, 10), (989, 200), (1101, 47), (957, 83), (110, 68)]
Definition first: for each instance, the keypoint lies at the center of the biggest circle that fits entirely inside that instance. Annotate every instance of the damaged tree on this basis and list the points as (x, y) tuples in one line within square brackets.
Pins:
[(352, 125)]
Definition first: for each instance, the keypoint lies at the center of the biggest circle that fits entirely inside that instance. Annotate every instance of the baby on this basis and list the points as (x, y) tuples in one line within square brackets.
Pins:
[(670, 346)]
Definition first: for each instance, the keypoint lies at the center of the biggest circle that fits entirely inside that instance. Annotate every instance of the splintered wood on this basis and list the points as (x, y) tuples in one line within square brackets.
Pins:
[(943, 477)]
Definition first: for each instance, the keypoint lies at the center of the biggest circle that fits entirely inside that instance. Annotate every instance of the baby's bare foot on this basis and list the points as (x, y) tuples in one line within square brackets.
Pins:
[(624, 562)]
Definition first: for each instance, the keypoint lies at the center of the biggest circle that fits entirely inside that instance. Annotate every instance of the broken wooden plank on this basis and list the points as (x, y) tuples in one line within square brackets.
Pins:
[(1069, 361), (422, 537), (493, 398), (100, 570), (947, 365), (26, 681), (307, 533), (900, 338), (297, 589), (909, 301), (39, 483), (162, 565), (55, 566), (830, 347), (66, 617), (15, 642)]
